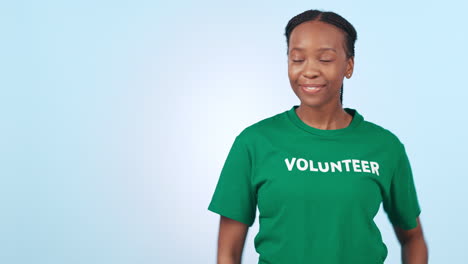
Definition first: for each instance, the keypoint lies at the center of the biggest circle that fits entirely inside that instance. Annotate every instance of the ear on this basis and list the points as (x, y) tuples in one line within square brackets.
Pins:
[(350, 67)]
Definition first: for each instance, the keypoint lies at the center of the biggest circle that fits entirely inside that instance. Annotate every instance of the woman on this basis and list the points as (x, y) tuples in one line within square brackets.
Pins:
[(318, 172)]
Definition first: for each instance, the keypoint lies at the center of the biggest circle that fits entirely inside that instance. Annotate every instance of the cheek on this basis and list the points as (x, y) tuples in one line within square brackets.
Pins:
[(333, 72), (293, 72), (330, 72)]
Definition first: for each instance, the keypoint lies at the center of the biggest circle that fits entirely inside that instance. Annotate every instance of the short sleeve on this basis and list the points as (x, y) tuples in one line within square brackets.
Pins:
[(234, 196), (401, 203)]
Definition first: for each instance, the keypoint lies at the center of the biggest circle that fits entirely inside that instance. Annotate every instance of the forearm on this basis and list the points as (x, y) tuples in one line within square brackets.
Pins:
[(414, 251), (228, 260)]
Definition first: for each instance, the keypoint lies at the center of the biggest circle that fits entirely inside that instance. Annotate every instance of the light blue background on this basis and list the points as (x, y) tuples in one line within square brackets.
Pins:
[(117, 116)]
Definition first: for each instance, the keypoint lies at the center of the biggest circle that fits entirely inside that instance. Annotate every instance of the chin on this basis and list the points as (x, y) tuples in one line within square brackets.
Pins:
[(314, 101)]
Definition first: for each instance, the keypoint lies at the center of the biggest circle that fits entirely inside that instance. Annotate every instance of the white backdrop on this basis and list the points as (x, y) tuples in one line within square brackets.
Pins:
[(117, 117)]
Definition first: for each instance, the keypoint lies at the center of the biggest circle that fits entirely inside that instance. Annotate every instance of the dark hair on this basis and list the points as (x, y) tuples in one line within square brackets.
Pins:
[(330, 18)]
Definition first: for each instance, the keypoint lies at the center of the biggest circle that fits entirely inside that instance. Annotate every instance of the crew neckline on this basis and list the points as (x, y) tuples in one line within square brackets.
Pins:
[(357, 119)]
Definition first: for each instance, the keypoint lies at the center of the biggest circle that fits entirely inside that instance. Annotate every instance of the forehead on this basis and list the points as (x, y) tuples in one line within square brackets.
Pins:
[(314, 35)]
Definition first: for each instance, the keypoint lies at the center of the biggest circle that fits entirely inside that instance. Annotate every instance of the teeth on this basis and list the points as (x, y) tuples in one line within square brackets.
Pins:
[(312, 88)]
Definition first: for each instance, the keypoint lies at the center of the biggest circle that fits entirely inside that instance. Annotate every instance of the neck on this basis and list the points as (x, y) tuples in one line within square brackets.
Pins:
[(326, 118)]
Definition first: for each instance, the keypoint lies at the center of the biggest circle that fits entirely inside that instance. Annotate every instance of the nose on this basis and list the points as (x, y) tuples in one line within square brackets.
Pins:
[(311, 70)]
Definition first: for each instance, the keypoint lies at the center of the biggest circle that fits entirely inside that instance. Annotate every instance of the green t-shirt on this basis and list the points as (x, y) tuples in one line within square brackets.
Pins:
[(317, 191)]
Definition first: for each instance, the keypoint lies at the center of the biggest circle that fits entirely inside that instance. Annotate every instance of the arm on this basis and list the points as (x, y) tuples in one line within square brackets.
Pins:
[(231, 240), (413, 246)]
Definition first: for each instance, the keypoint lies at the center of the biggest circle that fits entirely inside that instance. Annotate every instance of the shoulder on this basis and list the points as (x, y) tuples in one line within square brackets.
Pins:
[(381, 134), (263, 126)]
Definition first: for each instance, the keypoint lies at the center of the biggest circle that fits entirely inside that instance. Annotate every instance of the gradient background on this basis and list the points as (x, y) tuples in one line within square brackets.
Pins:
[(117, 116)]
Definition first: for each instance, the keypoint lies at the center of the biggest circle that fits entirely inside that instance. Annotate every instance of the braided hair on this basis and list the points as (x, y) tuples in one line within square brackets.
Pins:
[(330, 18)]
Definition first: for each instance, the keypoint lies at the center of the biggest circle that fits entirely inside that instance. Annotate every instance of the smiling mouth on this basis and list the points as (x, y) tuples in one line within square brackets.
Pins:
[(312, 89)]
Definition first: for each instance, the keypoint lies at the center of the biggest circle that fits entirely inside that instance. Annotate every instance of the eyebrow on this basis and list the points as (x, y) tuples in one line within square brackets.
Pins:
[(320, 49)]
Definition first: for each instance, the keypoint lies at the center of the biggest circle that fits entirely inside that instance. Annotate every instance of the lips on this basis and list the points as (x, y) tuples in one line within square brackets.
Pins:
[(312, 85), (312, 88)]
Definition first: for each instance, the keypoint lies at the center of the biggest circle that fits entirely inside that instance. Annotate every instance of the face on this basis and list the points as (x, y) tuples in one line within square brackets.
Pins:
[(317, 57)]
